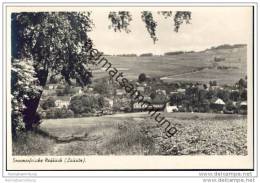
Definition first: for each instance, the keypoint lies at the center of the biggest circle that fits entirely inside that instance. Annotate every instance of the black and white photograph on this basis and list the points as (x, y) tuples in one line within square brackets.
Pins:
[(141, 82)]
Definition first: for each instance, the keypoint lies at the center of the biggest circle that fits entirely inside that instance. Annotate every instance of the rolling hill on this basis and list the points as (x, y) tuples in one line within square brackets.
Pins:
[(225, 64)]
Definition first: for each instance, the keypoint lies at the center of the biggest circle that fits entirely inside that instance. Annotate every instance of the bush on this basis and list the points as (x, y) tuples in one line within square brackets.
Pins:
[(86, 104), (146, 55), (59, 113), (142, 77), (50, 102)]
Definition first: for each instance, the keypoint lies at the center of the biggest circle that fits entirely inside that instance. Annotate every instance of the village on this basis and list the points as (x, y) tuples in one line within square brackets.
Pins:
[(105, 97)]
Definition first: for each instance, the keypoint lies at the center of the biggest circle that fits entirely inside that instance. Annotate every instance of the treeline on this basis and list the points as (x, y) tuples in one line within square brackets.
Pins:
[(228, 46), (177, 53)]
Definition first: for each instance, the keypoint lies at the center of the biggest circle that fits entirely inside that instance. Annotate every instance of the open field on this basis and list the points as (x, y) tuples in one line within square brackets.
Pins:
[(197, 66), (137, 134)]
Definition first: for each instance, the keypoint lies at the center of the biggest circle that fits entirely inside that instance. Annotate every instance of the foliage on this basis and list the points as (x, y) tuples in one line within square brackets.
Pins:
[(150, 24), (242, 83), (58, 43), (120, 20), (50, 102), (102, 87), (24, 85), (86, 104), (174, 53), (180, 17), (56, 113), (142, 77), (146, 55)]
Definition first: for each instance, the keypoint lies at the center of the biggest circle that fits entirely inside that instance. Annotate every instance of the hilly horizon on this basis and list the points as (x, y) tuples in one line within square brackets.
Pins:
[(225, 63)]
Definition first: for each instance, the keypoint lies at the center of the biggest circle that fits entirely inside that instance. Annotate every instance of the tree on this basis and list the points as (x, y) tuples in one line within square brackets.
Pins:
[(58, 44), (102, 87), (142, 78), (243, 94), (242, 83), (86, 104)]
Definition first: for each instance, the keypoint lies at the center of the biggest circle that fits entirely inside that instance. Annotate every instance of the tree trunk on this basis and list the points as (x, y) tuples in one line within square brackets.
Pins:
[(31, 117)]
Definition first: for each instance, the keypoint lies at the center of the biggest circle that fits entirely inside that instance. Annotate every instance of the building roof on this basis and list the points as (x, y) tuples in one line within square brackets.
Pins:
[(244, 103), (219, 101), (63, 98), (181, 90), (120, 91)]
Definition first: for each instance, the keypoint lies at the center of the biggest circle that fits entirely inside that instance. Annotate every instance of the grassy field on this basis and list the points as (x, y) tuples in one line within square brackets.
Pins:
[(136, 134), (198, 66)]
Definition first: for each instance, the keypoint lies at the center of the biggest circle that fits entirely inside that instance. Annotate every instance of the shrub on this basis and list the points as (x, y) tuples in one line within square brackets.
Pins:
[(142, 77), (55, 113), (86, 104)]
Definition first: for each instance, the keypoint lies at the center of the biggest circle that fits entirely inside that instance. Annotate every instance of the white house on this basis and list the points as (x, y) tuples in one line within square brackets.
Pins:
[(109, 101), (159, 91), (169, 108), (140, 88), (52, 86), (62, 103), (219, 102)]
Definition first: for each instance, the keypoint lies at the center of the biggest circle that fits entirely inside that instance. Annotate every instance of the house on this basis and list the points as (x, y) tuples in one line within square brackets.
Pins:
[(62, 102), (181, 90), (120, 92), (147, 98), (219, 102), (143, 106), (159, 91), (173, 93), (47, 93), (52, 86), (76, 90), (89, 89), (218, 105), (109, 101), (140, 88), (169, 108)]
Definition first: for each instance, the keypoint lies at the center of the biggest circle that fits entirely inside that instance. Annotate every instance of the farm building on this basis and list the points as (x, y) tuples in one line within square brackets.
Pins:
[(120, 92), (218, 105), (109, 101), (138, 107), (140, 88), (169, 108), (181, 90), (62, 102), (160, 92), (76, 90), (52, 86)]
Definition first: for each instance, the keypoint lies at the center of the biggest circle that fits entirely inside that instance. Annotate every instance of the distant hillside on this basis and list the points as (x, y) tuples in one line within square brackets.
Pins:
[(227, 46), (224, 63)]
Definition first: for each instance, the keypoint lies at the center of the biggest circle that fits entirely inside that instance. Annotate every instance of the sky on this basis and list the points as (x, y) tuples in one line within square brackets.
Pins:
[(210, 26)]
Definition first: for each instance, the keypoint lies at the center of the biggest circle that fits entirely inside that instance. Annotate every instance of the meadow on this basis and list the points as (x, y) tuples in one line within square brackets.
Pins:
[(137, 134)]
